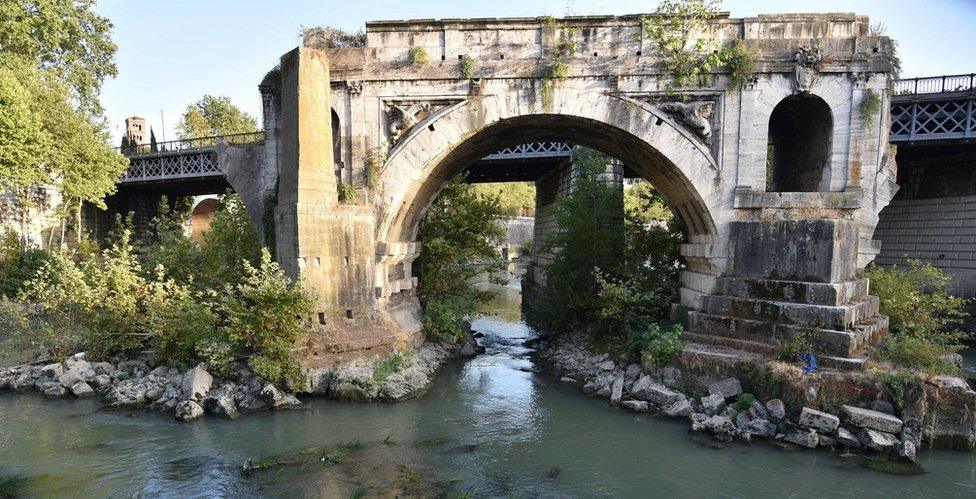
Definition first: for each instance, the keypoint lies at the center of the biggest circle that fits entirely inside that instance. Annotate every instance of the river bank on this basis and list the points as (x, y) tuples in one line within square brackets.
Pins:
[(489, 426)]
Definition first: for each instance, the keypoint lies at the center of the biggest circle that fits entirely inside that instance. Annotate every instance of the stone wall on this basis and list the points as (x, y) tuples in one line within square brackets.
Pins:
[(933, 218)]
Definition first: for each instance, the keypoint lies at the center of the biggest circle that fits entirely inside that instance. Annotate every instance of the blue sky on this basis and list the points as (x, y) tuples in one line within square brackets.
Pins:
[(173, 52)]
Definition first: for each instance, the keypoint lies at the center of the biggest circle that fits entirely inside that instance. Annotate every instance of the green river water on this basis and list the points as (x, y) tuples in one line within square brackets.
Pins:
[(488, 427)]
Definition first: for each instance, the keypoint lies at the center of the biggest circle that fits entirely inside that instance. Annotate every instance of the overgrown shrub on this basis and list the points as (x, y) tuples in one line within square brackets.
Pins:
[(17, 267), (383, 367), (230, 240), (923, 315), (263, 314), (347, 193), (178, 319), (763, 381), (656, 345), (740, 61), (870, 106), (418, 57), (466, 66), (680, 33), (457, 235)]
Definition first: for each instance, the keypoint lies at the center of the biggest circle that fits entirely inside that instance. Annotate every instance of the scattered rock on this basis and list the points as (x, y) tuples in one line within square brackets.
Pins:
[(188, 410), (728, 388), (52, 370), (632, 372), (278, 399), (567, 379), (761, 428), (197, 383), (82, 389), (681, 408), (713, 404), (606, 365), (55, 389), (635, 405), (319, 381), (826, 441), (882, 406), (846, 438), (617, 389), (877, 441), (468, 350), (777, 409), (804, 437), (719, 425), (220, 402), (698, 421), (252, 403), (646, 388), (820, 421), (905, 450), (874, 420), (102, 380)]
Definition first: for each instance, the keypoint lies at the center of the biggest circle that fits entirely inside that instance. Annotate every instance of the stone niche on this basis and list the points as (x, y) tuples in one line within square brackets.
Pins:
[(795, 250)]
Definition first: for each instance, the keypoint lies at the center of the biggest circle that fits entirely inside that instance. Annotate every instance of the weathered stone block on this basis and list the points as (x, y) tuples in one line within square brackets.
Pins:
[(795, 250), (728, 388), (866, 418), (820, 421)]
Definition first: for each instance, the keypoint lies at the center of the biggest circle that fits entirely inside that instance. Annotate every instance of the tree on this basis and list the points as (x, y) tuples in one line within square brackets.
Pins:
[(214, 115), (516, 198), (54, 143), (643, 202), (66, 38)]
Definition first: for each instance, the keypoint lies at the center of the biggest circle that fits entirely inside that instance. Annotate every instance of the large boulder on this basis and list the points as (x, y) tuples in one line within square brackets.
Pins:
[(761, 428), (318, 381), (820, 421), (804, 437), (82, 389), (728, 388), (681, 408), (188, 410), (220, 402), (635, 405), (874, 420), (719, 425), (278, 399), (647, 389), (197, 383), (877, 441), (713, 404), (617, 389), (52, 370), (846, 438), (776, 409)]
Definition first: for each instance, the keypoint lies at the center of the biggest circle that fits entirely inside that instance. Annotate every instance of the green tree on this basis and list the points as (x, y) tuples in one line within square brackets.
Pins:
[(54, 143), (515, 198), (456, 234), (66, 38), (589, 237), (644, 203), (214, 115)]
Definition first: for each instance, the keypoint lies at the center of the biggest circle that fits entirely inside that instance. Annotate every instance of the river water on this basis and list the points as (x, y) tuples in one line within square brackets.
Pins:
[(488, 427)]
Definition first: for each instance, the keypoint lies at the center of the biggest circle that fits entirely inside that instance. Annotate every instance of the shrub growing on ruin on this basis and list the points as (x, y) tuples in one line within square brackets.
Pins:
[(178, 319), (923, 315), (418, 56), (263, 314), (466, 66), (457, 235)]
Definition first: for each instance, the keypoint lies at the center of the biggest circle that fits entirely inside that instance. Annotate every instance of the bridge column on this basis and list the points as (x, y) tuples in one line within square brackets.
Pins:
[(330, 245)]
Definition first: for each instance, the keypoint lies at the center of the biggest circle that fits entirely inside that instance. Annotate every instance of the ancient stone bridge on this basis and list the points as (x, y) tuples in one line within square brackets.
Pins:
[(779, 180)]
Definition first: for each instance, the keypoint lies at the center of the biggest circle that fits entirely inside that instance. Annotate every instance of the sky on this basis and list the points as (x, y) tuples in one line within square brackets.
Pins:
[(173, 52)]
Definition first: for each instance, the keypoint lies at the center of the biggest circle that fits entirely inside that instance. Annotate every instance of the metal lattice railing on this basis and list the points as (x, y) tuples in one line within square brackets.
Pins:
[(532, 150), (936, 84), (933, 119), (179, 159)]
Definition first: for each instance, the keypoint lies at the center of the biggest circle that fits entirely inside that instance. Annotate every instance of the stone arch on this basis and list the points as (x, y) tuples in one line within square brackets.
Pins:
[(834, 89), (646, 139), (204, 209), (798, 145)]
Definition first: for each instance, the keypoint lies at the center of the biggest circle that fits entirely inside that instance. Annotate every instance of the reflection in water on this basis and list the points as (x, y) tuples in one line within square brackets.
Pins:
[(488, 427)]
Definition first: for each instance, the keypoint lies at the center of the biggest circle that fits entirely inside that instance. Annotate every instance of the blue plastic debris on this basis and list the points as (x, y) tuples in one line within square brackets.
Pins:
[(811, 363)]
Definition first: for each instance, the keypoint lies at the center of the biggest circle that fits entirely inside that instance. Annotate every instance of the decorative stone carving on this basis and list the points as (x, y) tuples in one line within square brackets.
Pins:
[(354, 87), (806, 68), (859, 79), (694, 115), (402, 118)]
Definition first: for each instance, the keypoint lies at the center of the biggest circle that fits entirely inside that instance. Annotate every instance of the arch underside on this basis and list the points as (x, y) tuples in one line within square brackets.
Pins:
[(645, 141)]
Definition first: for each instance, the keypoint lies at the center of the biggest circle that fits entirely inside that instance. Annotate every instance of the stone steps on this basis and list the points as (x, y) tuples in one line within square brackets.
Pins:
[(716, 347), (840, 317), (837, 343), (813, 293)]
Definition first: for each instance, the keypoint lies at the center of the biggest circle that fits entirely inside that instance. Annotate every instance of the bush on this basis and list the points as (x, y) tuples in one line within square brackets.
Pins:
[(178, 320), (466, 66), (383, 367), (743, 402), (264, 318), (217, 355), (230, 240), (923, 315), (17, 265), (418, 57), (763, 381)]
